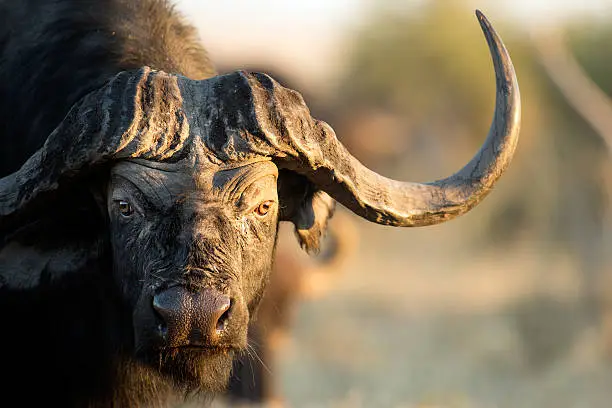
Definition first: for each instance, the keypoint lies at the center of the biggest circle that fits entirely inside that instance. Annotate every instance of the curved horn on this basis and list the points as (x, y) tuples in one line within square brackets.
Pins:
[(311, 148)]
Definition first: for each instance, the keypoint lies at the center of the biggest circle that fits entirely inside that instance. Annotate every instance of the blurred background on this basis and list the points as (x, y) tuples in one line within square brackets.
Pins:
[(507, 306)]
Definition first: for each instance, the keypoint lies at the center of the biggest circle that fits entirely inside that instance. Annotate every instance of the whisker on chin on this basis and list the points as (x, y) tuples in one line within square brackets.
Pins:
[(252, 349)]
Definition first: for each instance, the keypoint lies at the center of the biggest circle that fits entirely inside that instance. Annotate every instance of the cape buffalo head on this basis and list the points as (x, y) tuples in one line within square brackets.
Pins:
[(189, 180)]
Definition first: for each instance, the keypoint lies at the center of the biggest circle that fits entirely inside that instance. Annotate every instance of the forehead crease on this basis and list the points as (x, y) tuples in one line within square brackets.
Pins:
[(158, 185), (231, 183)]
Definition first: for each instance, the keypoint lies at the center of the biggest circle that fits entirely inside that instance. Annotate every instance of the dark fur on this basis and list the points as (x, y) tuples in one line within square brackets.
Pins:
[(69, 341)]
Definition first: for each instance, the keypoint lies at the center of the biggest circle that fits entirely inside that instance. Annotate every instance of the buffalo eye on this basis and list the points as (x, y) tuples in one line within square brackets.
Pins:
[(263, 208), (125, 208)]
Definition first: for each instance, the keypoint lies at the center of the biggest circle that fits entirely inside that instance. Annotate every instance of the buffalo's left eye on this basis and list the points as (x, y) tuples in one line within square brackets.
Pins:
[(263, 208), (125, 208)]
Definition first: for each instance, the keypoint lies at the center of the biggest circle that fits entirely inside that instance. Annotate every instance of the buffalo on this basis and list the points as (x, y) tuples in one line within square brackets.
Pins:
[(141, 193)]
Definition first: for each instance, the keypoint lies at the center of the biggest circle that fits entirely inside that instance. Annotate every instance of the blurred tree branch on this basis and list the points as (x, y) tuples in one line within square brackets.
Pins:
[(581, 92)]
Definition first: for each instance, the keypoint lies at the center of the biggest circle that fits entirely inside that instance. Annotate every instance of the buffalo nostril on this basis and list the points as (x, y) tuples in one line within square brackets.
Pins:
[(223, 319), (162, 326)]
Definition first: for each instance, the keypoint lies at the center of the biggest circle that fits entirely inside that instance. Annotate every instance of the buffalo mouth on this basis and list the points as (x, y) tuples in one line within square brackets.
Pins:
[(193, 367), (170, 350), (205, 349)]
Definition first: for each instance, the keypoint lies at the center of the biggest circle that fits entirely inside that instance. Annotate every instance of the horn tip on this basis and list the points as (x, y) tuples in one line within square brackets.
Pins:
[(483, 20), (495, 43)]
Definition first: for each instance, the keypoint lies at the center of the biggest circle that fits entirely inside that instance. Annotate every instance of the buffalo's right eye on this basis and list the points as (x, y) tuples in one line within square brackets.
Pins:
[(125, 208), (263, 208)]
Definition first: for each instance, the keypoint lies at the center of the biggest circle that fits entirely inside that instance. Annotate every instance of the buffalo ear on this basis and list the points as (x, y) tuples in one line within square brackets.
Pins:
[(307, 207)]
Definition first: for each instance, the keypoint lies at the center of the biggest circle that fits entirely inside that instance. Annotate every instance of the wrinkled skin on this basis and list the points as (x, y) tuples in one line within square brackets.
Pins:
[(195, 229)]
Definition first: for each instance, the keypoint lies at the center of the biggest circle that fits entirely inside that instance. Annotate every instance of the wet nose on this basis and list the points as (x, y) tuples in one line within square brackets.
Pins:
[(192, 318)]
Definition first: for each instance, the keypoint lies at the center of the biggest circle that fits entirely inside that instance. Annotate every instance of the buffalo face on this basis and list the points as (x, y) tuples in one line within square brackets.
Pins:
[(192, 252)]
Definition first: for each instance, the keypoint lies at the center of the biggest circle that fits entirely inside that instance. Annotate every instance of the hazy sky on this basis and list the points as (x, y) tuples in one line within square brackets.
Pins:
[(305, 36)]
